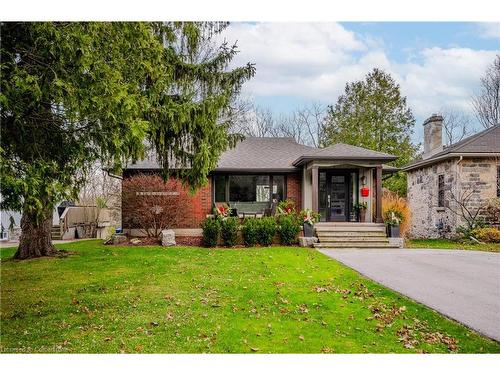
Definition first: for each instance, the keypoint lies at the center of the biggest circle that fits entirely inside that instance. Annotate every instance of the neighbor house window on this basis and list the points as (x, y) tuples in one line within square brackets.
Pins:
[(498, 182), (441, 190)]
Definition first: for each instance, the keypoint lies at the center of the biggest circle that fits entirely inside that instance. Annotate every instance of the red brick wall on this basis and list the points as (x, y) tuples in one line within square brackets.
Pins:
[(189, 240), (294, 189), (194, 207)]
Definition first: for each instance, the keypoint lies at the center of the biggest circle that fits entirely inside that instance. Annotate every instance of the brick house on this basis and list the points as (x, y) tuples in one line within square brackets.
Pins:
[(466, 173), (260, 170)]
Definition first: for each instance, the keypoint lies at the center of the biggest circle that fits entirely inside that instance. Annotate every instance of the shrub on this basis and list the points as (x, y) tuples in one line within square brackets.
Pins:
[(492, 210), (211, 230), (466, 231), (487, 234), (145, 207), (229, 231), (286, 207), (394, 206), (250, 231), (266, 229), (288, 229)]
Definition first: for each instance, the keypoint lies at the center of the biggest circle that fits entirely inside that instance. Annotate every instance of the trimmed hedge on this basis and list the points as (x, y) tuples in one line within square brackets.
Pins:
[(229, 231), (211, 230), (266, 230), (250, 232), (289, 229)]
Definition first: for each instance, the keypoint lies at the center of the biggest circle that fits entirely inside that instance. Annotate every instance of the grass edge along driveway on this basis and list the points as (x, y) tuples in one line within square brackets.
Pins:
[(110, 299)]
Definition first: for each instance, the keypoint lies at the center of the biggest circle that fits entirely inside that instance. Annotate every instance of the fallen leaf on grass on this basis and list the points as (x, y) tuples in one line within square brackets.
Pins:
[(254, 349)]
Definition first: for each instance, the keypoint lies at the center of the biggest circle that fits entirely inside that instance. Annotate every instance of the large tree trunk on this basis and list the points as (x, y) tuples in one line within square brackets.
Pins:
[(35, 240)]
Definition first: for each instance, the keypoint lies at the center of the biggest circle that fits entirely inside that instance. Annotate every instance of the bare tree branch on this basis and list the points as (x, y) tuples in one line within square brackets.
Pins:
[(456, 125), (486, 102)]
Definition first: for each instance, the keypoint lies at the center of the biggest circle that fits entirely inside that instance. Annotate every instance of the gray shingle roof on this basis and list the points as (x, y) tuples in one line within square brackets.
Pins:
[(343, 151), (486, 142), (262, 153), (273, 154)]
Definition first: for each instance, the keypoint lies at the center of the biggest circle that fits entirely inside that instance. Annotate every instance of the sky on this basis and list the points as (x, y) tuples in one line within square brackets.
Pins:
[(438, 65)]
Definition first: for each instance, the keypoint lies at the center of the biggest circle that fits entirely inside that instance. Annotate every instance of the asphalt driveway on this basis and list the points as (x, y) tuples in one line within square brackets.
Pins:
[(463, 285)]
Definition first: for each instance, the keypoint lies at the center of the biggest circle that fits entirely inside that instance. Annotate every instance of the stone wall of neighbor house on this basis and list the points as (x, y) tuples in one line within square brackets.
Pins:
[(293, 188), (460, 177), (194, 208)]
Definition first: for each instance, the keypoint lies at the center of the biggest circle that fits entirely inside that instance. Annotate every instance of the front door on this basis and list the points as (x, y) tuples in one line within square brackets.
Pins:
[(338, 190)]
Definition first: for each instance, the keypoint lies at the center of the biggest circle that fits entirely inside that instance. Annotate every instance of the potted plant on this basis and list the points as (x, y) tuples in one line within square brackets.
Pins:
[(361, 209), (286, 207), (392, 220), (308, 218)]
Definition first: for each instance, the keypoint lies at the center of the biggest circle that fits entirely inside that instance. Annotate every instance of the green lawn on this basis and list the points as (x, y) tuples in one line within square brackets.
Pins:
[(105, 299), (449, 244)]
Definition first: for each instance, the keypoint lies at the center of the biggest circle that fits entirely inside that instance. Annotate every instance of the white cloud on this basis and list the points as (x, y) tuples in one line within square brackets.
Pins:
[(315, 61), (490, 30)]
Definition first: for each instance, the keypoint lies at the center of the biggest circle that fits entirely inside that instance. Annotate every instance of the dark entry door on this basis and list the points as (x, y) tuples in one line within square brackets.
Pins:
[(338, 196)]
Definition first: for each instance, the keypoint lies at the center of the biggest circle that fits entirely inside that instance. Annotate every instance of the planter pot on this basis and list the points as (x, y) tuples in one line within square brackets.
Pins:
[(362, 215), (393, 230), (308, 230)]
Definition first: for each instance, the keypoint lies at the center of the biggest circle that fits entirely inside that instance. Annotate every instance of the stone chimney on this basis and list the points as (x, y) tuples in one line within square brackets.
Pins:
[(433, 136)]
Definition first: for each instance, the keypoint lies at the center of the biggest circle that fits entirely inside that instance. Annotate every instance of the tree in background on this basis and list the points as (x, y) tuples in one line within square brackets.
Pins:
[(373, 114), (457, 125), (303, 124), (486, 102), (76, 93)]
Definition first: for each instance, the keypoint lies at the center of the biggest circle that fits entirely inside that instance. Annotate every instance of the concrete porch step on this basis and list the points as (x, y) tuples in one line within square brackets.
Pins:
[(354, 245), (349, 225), (381, 239), (350, 229), (351, 234)]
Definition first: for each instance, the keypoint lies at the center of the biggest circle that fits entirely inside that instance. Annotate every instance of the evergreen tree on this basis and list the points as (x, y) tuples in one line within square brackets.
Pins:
[(76, 93), (373, 114)]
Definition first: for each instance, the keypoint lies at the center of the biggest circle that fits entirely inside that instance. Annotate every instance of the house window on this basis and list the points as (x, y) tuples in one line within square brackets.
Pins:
[(220, 188), (441, 190), (248, 188)]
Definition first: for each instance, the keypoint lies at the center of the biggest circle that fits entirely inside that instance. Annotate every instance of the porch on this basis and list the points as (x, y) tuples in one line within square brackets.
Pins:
[(344, 183)]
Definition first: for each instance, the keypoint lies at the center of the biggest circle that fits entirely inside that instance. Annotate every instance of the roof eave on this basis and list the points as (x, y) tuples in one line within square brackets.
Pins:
[(256, 170), (449, 155), (303, 159)]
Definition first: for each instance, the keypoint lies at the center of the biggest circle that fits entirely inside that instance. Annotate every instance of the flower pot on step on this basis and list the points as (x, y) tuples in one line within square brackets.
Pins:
[(308, 230), (393, 230)]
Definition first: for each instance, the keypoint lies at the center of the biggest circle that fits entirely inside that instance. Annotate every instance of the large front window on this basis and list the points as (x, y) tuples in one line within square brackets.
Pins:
[(252, 190)]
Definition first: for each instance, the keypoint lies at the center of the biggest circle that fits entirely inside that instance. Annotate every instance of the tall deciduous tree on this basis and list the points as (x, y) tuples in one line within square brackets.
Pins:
[(486, 102), (373, 114), (75, 93)]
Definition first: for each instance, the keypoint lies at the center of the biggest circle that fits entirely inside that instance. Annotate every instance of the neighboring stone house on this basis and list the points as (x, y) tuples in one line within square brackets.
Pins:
[(464, 174)]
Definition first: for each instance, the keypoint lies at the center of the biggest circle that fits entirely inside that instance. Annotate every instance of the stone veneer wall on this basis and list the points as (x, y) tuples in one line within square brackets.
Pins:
[(430, 221)]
